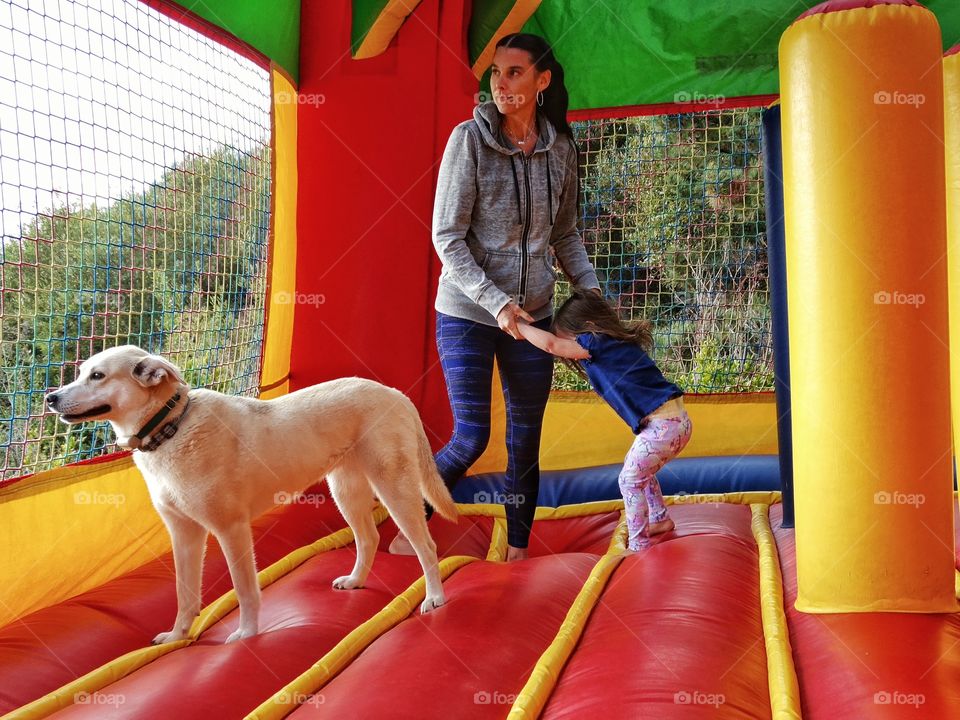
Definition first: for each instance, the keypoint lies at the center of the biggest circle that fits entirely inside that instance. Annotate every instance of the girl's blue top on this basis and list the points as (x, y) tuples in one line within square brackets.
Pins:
[(626, 377)]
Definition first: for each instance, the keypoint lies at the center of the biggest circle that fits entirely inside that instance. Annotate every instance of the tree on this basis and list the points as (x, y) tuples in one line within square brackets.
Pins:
[(177, 268), (674, 223)]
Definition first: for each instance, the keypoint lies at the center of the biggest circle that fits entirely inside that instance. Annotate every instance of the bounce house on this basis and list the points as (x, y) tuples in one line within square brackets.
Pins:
[(775, 184)]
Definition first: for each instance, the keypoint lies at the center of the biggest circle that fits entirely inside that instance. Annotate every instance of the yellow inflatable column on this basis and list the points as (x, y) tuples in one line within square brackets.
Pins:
[(864, 202), (951, 86)]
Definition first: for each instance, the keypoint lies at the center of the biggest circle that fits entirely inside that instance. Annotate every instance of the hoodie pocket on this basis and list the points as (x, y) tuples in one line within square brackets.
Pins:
[(503, 268), (541, 281)]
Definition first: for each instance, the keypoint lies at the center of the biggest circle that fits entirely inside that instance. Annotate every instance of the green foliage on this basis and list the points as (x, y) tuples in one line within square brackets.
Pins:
[(178, 268), (674, 223)]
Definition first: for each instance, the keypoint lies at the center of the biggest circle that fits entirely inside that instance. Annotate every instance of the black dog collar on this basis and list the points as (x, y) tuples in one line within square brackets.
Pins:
[(136, 442)]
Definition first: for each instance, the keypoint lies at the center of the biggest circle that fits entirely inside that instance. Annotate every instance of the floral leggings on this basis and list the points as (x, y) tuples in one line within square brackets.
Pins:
[(661, 439)]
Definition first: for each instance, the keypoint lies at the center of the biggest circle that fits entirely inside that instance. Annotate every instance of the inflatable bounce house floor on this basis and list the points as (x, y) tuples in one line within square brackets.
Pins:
[(700, 625)]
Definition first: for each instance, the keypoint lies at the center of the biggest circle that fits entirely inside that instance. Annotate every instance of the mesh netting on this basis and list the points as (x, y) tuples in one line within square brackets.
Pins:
[(135, 178), (673, 220)]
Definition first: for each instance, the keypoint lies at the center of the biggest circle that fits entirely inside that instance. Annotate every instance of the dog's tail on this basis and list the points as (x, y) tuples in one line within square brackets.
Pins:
[(431, 484)]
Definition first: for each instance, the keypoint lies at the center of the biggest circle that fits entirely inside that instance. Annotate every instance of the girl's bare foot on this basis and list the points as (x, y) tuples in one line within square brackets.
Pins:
[(628, 551), (516, 553), (665, 525), (401, 546)]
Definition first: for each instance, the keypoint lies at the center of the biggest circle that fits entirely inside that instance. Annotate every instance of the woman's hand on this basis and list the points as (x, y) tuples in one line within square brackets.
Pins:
[(507, 319)]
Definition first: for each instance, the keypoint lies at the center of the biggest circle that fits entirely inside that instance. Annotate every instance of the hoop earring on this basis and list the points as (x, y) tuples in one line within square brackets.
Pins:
[(539, 98)]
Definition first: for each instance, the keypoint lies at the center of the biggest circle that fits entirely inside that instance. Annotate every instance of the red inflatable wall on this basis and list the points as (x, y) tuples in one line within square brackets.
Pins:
[(371, 134)]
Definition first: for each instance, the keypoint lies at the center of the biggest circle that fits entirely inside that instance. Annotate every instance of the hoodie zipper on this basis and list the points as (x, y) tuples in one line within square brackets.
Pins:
[(526, 229)]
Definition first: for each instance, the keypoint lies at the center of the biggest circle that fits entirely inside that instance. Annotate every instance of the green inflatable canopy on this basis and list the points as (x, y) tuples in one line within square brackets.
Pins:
[(615, 52)]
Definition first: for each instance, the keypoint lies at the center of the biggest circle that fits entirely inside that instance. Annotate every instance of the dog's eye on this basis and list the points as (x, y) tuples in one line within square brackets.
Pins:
[(97, 375)]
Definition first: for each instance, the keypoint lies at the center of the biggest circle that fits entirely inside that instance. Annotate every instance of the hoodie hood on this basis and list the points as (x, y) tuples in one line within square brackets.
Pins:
[(488, 120)]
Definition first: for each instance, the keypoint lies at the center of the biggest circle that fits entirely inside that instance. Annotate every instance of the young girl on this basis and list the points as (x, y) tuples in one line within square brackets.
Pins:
[(613, 357)]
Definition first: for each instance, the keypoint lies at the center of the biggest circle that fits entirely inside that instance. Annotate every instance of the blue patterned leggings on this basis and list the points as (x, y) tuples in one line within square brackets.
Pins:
[(661, 439), (467, 350)]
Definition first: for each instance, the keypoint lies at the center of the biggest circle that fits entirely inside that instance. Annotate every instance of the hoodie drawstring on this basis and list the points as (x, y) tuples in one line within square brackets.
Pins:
[(549, 189), (516, 188)]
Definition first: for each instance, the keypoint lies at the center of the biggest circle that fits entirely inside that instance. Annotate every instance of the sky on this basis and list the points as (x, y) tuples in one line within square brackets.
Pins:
[(97, 97)]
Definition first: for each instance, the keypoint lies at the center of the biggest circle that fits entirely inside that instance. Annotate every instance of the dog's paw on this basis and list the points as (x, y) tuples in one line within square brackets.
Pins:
[(166, 637), (347, 582), (431, 603), (240, 634)]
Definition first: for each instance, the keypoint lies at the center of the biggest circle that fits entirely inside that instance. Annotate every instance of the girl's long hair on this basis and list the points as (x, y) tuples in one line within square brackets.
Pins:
[(587, 312), (555, 97)]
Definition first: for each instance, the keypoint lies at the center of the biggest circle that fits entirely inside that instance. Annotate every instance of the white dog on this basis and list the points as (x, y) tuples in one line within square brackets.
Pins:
[(214, 462)]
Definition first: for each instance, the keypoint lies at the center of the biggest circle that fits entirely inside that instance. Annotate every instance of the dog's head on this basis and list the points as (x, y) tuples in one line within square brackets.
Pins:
[(115, 383)]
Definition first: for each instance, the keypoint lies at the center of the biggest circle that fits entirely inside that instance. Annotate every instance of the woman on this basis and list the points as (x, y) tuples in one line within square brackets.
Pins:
[(506, 204)]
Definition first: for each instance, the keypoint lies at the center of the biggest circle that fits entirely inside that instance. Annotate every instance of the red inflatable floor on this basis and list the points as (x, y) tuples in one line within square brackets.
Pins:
[(675, 632)]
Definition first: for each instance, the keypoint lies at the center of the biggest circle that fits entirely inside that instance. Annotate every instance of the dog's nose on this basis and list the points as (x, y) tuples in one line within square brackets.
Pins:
[(52, 399)]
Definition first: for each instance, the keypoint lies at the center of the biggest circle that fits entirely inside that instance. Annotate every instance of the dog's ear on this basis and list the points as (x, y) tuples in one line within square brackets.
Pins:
[(153, 370)]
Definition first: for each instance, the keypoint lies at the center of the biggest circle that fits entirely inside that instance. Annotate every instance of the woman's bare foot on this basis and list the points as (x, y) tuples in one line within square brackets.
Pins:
[(516, 553), (665, 525), (401, 546)]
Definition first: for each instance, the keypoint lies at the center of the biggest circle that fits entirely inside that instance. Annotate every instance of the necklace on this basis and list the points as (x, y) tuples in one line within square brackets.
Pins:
[(518, 141)]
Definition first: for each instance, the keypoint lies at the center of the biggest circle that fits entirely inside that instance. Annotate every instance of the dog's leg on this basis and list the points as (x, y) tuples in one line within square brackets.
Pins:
[(406, 509), (237, 544), (189, 540), (354, 497)]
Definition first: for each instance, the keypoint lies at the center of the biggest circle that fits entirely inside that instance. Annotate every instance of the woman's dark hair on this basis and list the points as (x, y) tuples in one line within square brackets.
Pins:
[(587, 312), (555, 97)]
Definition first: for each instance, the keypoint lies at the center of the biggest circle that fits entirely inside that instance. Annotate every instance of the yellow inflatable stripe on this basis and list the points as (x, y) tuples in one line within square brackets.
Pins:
[(344, 652), (380, 34), (498, 541), (513, 22), (578, 510), (618, 542), (956, 584), (92, 682), (482, 509), (781, 673), (122, 666), (535, 693), (228, 602), (278, 333), (765, 497)]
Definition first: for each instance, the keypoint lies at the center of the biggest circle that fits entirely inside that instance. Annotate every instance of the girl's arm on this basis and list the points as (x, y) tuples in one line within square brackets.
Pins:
[(548, 342)]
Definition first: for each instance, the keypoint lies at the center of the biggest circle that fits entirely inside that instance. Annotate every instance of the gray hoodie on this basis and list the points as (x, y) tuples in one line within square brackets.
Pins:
[(497, 216)]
